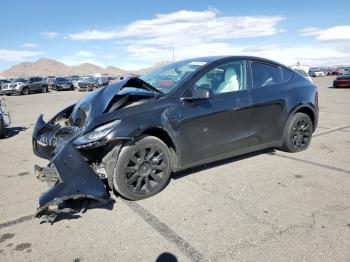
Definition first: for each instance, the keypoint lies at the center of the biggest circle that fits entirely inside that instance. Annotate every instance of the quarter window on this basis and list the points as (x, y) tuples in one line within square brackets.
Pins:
[(226, 78), (265, 75)]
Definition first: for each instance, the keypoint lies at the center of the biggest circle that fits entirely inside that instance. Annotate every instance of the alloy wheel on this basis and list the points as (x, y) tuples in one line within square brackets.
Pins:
[(301, 133), (146, 169)]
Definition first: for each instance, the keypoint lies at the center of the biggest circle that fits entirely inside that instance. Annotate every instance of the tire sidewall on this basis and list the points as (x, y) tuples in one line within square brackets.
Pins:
[(126, 151)]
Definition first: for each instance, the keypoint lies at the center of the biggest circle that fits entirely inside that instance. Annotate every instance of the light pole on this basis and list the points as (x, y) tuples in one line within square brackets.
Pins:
[(173, 47)]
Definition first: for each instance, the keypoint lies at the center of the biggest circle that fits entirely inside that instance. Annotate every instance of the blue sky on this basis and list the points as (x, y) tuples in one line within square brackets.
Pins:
[(134, 34)]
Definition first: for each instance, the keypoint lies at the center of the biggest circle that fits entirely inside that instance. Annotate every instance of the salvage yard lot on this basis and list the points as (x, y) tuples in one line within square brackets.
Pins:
[(268, 206)]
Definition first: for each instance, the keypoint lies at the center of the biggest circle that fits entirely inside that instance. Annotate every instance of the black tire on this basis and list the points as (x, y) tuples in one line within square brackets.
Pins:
[(44, 89), (72, 88), (2, 129), (25, 91), (143, 168), (298, 133)]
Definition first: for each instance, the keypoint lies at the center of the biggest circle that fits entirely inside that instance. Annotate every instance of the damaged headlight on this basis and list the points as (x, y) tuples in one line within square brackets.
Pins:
[(97, 133)]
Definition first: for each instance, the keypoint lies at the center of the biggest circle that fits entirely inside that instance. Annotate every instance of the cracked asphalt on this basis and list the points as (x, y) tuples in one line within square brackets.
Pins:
[(266, 206)]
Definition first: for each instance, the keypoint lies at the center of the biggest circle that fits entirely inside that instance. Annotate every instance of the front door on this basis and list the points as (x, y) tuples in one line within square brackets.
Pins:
[(224, 122)]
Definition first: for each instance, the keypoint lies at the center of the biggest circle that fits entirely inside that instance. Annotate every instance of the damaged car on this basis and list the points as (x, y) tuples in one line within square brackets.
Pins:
[(130, 136)]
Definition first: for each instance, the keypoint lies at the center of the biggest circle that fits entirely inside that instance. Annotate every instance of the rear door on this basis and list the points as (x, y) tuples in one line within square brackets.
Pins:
[(269, 97)]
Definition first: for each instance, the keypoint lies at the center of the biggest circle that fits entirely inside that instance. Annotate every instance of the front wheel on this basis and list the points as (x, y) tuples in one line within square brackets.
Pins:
[(25, 91), (142, 169), (2, 129), (298, 133), (44, 89)]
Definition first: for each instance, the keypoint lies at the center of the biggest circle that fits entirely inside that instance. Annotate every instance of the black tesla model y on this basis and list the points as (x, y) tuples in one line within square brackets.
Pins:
[(134, 133)]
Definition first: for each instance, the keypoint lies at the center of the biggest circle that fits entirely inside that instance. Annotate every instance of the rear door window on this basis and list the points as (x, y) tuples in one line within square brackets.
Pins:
[(265, 75)]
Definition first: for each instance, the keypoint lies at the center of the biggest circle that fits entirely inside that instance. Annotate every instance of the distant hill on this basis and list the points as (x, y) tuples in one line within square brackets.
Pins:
[(50, 67)]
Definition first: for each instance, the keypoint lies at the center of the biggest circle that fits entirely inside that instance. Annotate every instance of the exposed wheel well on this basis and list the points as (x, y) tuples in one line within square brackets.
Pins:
[(308, 111), (164, 136)]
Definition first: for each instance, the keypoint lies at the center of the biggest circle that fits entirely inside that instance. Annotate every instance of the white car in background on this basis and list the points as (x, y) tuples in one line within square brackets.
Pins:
[(317, 73), (76, 82)]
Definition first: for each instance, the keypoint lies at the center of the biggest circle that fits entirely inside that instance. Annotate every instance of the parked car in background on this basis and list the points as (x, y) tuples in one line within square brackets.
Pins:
[(104, 80), (5, 119), (3, 83), (342, 80), (340, 71), (80, 79), (61, 83), (316, 73), (73, 78), (134, 133), (24, 86), (88, 84)]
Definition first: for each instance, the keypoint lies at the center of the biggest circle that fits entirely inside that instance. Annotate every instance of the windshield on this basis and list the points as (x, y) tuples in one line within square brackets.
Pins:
[(347, 72), (89, 80), (18, 80), (168, 77)]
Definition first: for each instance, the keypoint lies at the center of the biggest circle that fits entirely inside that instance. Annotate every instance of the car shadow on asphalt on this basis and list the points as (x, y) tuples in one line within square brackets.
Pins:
[(13, 131), (192, 170)]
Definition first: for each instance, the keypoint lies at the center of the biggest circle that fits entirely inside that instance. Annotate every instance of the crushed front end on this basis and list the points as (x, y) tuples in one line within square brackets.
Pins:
[(82, 144), (69, 169)]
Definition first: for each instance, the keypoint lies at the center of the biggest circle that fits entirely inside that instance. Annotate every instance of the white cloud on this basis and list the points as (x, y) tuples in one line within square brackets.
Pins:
[(181, 25), (337, 33), (29, 45), (203, 33), (15, 55), (85, 54), (310, 31), (92, 35), (49, 34)]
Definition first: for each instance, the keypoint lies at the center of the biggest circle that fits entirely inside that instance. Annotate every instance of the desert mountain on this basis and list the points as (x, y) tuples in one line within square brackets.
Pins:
[(50, 67)]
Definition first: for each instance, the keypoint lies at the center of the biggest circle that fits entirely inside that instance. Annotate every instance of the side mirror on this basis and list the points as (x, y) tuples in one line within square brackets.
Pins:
[(199, 93)]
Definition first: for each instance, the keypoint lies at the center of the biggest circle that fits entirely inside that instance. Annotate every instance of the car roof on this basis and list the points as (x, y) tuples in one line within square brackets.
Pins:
[(212, 59)]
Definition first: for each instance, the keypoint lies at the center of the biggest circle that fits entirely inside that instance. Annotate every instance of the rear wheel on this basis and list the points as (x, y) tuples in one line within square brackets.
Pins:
[(44, 89), (143, 169), (298, 133)]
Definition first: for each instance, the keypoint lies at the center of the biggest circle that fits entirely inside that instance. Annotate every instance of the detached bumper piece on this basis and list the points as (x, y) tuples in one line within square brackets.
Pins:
[(73, 180)]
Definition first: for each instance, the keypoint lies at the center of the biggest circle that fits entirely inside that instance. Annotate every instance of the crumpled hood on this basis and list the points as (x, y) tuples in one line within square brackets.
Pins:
[(95, 103)]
